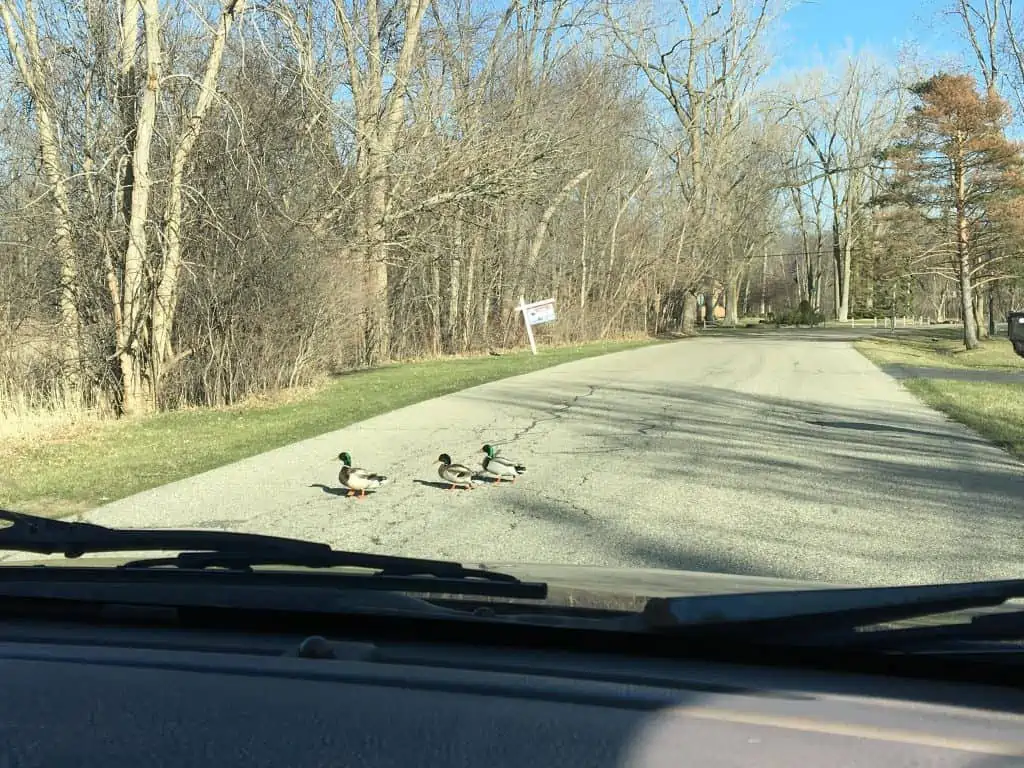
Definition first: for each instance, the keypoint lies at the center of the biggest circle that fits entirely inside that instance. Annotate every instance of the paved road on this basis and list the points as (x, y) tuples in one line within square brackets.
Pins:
[(987, 376), (773, 454)]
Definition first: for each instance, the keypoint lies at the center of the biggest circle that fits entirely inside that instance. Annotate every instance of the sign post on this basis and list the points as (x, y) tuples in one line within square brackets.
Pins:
[(536, 313)]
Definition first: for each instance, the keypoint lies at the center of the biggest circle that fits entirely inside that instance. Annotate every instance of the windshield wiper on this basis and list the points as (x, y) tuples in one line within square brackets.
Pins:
[(836, 615), (235, 551), (44, 536)]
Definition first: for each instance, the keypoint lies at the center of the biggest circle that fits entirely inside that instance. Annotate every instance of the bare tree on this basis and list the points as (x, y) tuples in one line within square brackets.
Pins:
[(378, 99), (846, 122), (981, 25), (705, 77), (23, 41)]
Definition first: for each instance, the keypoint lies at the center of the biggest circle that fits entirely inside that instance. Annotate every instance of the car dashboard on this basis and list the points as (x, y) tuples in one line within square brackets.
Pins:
[(106, 696)]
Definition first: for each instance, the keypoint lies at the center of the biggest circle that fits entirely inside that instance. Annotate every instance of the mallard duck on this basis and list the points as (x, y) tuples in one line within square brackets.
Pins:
[(500, 466), (454, 474), (358, 479)]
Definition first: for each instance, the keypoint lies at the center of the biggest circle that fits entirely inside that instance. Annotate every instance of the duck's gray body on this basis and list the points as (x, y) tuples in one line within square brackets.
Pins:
[(503, 467), (358, 479), (454, 474)]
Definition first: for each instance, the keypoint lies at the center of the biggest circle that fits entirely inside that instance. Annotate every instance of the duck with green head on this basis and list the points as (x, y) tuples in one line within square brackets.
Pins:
[(501, 466), (358, 479), (456, 475)]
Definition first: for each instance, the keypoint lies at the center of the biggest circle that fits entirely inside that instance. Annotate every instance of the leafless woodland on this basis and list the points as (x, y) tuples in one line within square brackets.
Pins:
[(202, 202)]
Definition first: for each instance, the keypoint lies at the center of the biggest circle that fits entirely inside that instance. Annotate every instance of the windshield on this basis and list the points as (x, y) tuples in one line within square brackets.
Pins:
[(713, 296)]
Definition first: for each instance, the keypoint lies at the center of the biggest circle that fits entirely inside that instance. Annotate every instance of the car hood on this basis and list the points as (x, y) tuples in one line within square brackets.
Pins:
[(629, 588), (583, 586)]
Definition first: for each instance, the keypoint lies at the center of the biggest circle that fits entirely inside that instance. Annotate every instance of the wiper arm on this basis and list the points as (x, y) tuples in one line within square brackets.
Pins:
[(782, 614), (996, 627), (41, 535), (237, 551), (382, 565)]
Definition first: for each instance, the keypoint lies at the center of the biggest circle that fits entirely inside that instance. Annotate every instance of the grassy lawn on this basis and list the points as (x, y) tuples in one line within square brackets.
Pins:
[(993, 410), (942, 348), (116, 459)]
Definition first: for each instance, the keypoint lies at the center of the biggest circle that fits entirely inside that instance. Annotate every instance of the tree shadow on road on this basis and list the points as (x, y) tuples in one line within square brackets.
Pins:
[(870, 427), (816, 334), (901, 371), (826, 489)]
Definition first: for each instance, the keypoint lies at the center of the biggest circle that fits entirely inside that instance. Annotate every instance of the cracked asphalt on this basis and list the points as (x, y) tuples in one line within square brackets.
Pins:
[(774, 454)]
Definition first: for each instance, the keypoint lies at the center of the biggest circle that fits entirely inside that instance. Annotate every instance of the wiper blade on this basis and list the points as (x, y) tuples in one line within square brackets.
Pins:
[(41, 535), (237, 551), (820, 611), (382, 565), (990, 628)]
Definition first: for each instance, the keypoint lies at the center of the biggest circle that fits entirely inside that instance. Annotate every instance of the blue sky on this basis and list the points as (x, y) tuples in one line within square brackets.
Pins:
[(815, 30)]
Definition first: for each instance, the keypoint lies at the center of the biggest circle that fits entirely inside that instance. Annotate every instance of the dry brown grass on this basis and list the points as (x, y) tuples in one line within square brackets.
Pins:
[(31, 416)]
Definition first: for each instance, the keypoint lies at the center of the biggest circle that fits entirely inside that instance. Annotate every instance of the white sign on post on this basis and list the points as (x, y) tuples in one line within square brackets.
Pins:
[(541, 312), (536, 313)]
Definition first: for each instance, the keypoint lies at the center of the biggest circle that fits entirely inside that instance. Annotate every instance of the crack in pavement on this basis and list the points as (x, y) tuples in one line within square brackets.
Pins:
[(646, 427), (665, 424), (553, 415), (582, 452)]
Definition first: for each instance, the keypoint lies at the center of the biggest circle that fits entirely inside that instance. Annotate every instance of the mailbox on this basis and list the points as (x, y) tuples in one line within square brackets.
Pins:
[(1015, 330), (1015, 326)]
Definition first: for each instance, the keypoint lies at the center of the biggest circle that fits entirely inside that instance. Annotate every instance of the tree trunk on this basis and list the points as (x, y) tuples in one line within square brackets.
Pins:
[(841, 270), (584, 285), (844, 296), (710, 302), (136, 395), (133, 352), (468, 315), (764, 282), (377, 347), (435, 305), (689, 319), (541, 230), (732, 300), (837, 279), (453, 290), (165, 297), (966, 305), (964, 261), (979, 316), (745, 301)]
